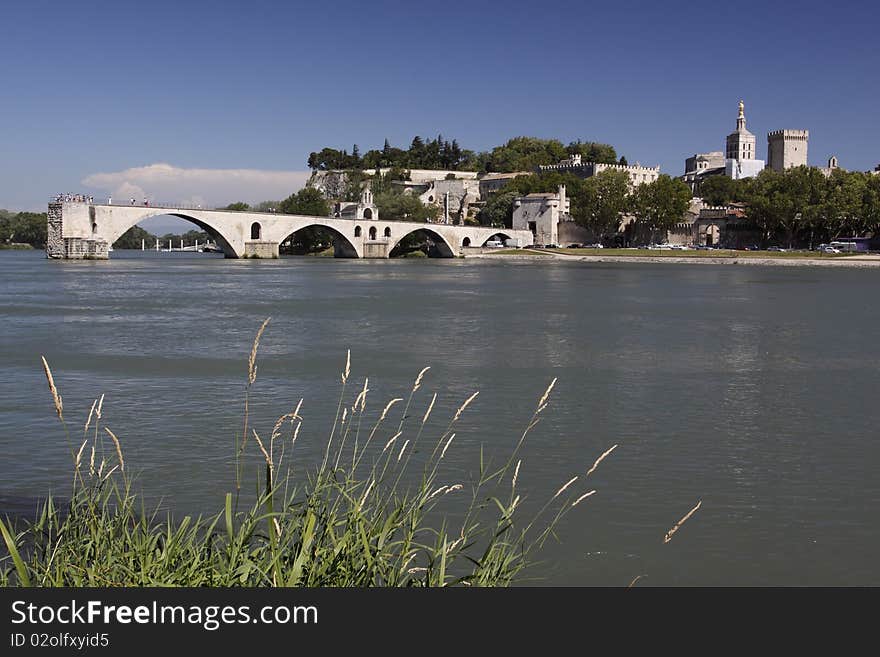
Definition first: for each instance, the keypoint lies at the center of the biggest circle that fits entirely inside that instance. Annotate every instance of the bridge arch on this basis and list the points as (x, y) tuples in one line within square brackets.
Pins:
[(496, 236), (113, 228), (442, 247), (342, 245)]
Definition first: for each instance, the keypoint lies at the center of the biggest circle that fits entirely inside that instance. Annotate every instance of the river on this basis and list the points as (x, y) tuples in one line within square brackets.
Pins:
[(751, 389)]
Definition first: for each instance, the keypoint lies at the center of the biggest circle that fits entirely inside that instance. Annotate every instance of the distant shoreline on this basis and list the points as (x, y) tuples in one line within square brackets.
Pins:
[(859, 261)]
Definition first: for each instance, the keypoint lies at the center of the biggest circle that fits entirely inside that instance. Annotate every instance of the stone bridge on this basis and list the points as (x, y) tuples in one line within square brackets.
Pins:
[(86, 230)]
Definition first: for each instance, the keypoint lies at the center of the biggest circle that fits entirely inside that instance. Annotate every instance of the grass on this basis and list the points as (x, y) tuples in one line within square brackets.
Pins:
[(524, 251), (373, 512), (693, 253)]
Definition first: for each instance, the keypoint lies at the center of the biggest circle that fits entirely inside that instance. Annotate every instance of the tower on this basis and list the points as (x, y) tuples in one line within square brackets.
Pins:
[(741, 144), (787, 148)]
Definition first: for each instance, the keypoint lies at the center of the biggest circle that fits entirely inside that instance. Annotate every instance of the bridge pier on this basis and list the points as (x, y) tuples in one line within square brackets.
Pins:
[(376, 249), (260, 249), (70, 233)]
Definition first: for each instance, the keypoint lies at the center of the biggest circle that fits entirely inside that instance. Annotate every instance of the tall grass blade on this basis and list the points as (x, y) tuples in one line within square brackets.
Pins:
[(20, 568)]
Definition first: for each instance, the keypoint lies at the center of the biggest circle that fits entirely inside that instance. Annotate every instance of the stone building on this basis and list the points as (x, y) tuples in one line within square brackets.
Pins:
[(740, 159), (363, 209), (494, 182), (832, 167), (700, 166), (725, 226), (638, 175), (787, 148), (541, 214), (453, 196)]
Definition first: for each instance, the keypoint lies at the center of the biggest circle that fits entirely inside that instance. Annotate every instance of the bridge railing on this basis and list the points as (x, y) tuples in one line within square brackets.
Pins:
[(91, 199)]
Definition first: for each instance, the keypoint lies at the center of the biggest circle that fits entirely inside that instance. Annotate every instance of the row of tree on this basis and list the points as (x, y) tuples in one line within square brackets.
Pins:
[(436, 153), (23, 228), (518, 154), (802, 206), (600, 203)]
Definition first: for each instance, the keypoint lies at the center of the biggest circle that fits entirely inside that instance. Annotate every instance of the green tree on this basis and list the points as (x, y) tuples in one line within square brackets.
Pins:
[(498, 211), (600, 201), (784, 204), (523, 154), (843, 208), (591, 151), (660, 205), (308, 201), (404, 207), (266, 206), (24, 227), (720, 190), (131, 239), (327, 159), (871, 204), (238, 206)]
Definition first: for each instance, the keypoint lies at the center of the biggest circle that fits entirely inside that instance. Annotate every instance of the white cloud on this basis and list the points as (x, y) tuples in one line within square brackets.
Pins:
[(165, 183)]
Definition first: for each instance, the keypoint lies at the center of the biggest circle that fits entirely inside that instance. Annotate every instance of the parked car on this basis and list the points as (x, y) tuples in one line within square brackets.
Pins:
[(574, 245), (831, 249), (494, 244), (551, 246), (593, 246), (776, 248)]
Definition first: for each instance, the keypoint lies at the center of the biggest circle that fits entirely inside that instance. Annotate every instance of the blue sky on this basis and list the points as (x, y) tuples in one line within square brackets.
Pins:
[(250, 88)]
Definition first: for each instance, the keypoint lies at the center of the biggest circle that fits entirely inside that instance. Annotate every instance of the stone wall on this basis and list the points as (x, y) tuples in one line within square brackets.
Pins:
[(54, 238), (72, 246), (787, 148), (260, 249), (376, 249)]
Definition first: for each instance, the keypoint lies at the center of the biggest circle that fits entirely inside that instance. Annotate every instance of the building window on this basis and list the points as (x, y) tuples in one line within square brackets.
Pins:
[(357, 231), (256, 231)]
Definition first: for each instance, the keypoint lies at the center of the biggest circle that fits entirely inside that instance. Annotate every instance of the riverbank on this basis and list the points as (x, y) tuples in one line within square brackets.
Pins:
[(696, 257)]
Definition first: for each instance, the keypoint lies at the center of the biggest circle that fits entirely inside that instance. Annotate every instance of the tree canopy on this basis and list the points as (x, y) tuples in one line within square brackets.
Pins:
[(660, 205), (518, 154), (239, 206), (801, 206), (23, 227), (308, 201), (404, 207)]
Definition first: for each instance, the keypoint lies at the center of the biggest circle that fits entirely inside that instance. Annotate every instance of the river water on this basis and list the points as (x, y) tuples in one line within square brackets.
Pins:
[(751, 389)]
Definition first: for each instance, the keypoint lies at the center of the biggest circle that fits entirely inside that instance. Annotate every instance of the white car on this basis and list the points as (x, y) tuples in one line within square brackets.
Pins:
[(830, 249), (494, 244)]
